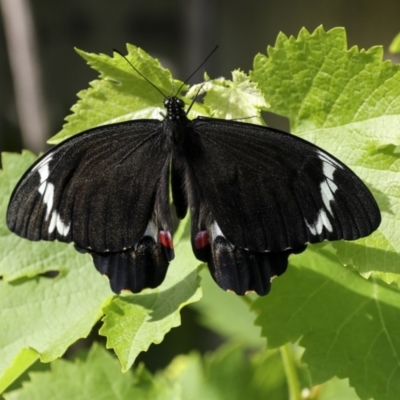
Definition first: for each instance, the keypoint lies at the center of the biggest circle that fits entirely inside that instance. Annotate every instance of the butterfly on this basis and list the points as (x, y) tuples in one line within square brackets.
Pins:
[(255, 194)]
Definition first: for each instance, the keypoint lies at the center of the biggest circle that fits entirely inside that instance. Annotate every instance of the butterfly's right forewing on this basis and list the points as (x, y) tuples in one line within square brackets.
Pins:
[(96, 189)]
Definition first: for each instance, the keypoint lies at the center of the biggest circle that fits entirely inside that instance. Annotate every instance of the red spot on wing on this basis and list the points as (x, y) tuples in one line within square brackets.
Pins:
[(166, 239), (201, 240)]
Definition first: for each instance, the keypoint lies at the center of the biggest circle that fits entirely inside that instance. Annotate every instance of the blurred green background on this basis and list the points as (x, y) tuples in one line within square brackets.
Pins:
[(180, 33)]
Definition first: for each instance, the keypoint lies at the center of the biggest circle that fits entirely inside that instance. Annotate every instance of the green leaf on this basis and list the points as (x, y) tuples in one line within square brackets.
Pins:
[(233, 376), (337, 389), (96, 377), (47, 315), (186, 375), (348, 325), (348, 103), (120, 94), (395, 45), (133, 322), (238, 98)]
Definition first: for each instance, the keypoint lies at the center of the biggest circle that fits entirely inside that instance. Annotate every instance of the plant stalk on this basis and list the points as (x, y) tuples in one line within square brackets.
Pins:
[(291, 373)]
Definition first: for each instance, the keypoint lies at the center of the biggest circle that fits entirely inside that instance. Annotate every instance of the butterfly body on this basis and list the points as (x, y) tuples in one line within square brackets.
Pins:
[(255, 196)]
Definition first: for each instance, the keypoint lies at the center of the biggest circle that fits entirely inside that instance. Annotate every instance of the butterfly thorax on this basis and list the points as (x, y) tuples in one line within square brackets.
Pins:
[(176, 120)]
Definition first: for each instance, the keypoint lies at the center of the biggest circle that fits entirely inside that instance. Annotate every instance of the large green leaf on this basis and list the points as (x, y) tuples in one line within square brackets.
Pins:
[(120, 94), (347, 102), (348, 325)]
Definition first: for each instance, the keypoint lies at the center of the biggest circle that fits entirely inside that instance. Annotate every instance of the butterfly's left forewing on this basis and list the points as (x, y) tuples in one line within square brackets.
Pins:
[(99, 191), (270, 190)]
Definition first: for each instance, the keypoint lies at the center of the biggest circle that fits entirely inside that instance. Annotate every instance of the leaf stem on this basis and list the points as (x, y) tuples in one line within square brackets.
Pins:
[(290, 371)]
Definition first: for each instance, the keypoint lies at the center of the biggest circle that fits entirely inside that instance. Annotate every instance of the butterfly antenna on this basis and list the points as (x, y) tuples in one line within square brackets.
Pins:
[(201, 86), (194, 98), (147, 80), (206, 59)]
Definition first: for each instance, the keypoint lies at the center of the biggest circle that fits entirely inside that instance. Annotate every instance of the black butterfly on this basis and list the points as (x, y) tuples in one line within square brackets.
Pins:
[(255, 195)]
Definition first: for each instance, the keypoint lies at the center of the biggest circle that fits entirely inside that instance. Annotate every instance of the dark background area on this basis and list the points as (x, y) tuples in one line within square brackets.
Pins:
[(180, 33)]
